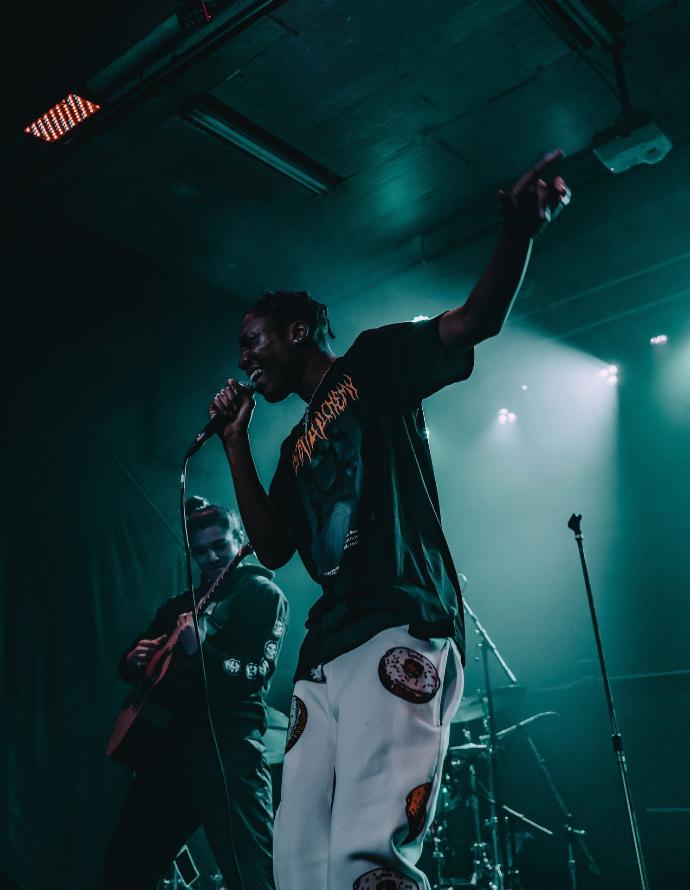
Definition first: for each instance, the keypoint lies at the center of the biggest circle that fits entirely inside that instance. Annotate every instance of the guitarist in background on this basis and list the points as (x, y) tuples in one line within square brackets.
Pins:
[(181, 787)]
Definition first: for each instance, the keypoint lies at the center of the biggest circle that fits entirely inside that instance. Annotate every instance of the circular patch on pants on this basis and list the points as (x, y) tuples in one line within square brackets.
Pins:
[(298, 720), (415, 809), (384, 879), (409, 675)]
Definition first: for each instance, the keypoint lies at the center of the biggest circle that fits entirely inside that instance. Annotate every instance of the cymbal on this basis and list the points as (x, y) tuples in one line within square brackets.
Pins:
[(474, 707), (467, 751)]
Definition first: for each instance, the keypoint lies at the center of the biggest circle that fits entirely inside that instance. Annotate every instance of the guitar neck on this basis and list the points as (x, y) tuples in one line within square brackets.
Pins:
[(211, 593)]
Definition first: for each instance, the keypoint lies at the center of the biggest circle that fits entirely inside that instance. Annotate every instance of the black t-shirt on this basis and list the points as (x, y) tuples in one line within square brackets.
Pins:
[(356, 486), (245, 629)]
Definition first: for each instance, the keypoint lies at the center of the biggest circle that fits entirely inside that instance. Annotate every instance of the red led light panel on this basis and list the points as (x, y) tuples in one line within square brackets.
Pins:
[(62, 118)]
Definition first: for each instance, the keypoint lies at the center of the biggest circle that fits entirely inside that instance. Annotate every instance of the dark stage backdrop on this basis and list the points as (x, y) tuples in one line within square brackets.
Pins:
[(90, 540), (86, 558)]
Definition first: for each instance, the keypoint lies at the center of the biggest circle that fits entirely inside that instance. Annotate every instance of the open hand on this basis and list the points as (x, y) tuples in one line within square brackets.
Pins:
[(533, 202)]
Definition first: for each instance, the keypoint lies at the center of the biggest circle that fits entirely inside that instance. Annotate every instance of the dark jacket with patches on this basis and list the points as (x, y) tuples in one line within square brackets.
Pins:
[(244, 635)]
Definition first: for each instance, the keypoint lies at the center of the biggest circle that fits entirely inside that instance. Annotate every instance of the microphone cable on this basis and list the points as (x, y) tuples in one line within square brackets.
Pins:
[(202, 662)]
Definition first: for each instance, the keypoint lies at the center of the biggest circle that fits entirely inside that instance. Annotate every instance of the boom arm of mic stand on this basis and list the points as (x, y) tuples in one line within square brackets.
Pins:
[(489, 642)]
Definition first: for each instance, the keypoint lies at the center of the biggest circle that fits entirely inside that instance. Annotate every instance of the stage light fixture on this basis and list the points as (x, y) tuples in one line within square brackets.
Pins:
[(659, 340), (215, 118), (506, 416), (609, 374), (524, 387), (61, 118)]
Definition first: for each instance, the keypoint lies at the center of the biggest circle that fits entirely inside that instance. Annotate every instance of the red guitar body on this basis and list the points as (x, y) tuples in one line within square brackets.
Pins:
[(151, 703)]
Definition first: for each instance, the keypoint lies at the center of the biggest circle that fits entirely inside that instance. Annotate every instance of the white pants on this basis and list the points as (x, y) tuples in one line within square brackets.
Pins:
[(363, 766)]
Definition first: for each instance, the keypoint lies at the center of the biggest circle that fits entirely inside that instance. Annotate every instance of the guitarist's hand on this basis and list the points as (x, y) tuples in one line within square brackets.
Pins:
[(185, 624), (140, 656)]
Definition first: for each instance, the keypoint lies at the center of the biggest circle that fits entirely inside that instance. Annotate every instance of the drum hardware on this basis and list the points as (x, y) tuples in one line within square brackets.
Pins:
[(461, 754), (474, 707), (571, 834), (494, 847), (520, 725), (489, 701)]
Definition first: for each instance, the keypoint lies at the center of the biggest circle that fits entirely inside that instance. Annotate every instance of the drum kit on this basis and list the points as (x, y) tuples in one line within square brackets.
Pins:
[(463, 846), (475, 838)]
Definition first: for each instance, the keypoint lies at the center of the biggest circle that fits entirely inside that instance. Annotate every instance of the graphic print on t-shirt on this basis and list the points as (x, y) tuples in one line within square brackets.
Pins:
[(327, 462)]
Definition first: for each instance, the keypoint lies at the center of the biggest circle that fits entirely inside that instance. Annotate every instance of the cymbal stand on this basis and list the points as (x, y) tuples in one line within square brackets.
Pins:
[(481, 866), (436, 832), (616, 737), (498, 822), (513, 818), (572, 834)]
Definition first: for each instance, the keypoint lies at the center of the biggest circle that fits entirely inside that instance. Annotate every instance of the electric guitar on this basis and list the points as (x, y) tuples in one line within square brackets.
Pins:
[(150, 704)]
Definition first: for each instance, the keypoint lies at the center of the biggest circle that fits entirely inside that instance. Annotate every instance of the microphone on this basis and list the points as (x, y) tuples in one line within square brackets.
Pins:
[(215, 425)]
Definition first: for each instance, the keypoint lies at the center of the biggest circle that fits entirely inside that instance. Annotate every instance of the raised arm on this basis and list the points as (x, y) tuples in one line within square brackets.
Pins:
[(527, 207), (268, 533)]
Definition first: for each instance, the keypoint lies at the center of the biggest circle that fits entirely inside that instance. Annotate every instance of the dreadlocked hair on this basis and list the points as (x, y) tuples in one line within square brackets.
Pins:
[(201, 514), (286, 306)]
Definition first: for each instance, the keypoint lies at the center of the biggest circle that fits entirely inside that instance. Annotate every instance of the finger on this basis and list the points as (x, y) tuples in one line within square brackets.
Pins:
[(240, 390), (547, 160), (239, 393), (224, 403), (537, 170), (559, 193), (559, 200), (543, 208)]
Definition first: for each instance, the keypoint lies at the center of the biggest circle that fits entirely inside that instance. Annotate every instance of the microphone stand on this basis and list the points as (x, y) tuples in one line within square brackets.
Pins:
[(486, 644), (616, 738)]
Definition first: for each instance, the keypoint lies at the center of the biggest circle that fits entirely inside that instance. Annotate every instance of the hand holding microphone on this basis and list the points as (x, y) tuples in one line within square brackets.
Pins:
[(232, 408), (230, 412)]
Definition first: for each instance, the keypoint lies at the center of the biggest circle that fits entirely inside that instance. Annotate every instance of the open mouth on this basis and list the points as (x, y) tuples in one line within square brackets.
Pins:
[(255, 373)]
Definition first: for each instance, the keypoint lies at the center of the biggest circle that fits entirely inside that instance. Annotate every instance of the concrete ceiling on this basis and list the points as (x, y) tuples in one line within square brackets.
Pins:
[(419, 110)]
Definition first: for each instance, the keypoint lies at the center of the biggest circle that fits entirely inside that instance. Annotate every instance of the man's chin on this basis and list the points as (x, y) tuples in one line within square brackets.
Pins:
[(273, 394), (271, 390)]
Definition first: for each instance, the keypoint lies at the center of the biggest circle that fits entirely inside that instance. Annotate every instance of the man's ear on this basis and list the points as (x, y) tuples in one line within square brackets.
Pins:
[(299, 332)]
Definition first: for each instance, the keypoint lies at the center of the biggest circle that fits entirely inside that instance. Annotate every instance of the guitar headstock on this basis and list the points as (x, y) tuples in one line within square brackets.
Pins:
[(244, 550)]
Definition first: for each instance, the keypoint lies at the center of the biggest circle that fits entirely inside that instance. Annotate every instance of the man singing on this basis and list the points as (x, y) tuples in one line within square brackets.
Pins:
[(379, 674)]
